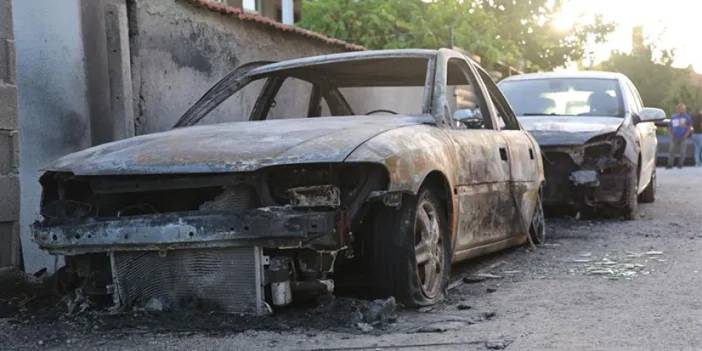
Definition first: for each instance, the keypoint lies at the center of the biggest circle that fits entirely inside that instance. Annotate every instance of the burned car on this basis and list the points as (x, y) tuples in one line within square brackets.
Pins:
[(597, 139), (387, 164)]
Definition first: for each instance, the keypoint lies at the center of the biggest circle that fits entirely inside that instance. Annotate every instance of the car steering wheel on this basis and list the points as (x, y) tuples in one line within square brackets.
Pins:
[(381, 111)]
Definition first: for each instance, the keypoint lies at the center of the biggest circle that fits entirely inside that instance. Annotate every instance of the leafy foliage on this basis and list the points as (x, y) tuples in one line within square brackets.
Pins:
[(517, 32), (659, 83)]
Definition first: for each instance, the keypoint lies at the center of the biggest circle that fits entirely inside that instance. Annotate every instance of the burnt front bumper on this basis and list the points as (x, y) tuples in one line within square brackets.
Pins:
[(263, 227), (570, 181)]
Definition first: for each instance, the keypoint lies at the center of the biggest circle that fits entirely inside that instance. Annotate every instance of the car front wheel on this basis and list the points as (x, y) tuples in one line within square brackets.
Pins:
[(411, 250), (631, 200), (649, 194), (537, 229)]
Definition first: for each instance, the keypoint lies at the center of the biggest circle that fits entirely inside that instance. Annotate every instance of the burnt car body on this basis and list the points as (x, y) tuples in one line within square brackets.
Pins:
[(244, 215), (598, 141)]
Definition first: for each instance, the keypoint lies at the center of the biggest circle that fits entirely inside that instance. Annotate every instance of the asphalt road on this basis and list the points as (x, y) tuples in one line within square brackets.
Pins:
[(597, 285)]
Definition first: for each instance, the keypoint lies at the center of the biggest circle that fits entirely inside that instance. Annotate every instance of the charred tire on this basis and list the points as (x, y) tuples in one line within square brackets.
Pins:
[(411, 256), (631, 199), (537, 228), (649, 194)]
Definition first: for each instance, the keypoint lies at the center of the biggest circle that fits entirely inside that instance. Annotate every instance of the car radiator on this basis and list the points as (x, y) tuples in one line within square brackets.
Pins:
[(229, 279)]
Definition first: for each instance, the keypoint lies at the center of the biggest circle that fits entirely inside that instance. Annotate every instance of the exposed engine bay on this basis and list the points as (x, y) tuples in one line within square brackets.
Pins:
[(175, 237)]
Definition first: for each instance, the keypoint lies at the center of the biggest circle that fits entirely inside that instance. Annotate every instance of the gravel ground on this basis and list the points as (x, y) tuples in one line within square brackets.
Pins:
[(596, 285)]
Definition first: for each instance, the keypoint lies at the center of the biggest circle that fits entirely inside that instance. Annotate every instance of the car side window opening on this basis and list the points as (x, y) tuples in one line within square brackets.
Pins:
[(405, 100), (465, 107), (384, 85), (505, 117), (238, 106), (291, 100)]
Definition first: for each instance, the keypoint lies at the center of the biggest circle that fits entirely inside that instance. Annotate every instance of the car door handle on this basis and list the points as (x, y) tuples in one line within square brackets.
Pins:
[(503, 153)]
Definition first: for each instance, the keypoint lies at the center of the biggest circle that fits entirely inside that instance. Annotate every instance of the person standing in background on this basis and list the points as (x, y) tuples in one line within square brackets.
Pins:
[(679, 129), (697, 137)]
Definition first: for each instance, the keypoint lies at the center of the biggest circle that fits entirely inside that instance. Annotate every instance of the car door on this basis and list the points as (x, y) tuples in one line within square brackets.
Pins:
[(647, 136), (481, 153), (525, 172)]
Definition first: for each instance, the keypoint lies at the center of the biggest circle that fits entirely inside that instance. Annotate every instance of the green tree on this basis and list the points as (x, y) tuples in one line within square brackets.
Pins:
[(659, 83), (519, 33)]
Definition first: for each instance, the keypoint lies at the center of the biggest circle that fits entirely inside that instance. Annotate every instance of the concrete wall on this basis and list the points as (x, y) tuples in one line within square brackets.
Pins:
[(53, 101), (9, 153), (179, 50), (92, 71)]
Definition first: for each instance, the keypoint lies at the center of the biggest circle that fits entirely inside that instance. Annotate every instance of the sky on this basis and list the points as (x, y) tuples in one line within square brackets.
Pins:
[(669, 24)]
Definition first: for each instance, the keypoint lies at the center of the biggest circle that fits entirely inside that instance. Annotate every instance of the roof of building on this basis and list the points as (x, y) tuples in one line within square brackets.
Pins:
[(256, 18), (566, 74)]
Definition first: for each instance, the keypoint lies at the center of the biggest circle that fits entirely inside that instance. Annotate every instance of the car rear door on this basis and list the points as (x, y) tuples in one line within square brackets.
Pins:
[(526, 166), (482, 158)]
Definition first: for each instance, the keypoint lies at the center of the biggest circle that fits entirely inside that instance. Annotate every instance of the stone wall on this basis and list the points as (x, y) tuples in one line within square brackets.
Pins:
[(9, 155)]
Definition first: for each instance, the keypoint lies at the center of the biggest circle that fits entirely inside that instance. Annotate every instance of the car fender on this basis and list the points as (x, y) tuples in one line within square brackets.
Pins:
[(410, 154)]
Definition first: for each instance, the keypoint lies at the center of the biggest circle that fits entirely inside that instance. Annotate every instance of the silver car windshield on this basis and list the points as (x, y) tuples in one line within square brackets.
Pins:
[(564, 97)]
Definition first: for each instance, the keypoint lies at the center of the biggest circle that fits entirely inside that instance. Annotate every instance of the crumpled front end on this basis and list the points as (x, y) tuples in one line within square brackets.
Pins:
[(589, 176), (239, 242)]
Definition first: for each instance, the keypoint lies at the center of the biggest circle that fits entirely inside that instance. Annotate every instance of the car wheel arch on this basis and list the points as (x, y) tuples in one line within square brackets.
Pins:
[(437, 180)]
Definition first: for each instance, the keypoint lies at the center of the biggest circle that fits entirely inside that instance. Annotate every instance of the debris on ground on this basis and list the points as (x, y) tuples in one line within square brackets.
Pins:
[(380, 312), (627, 267), (364, 327), (154, 305), (443, 326), (511, 272), (480, 277), (498, 345)]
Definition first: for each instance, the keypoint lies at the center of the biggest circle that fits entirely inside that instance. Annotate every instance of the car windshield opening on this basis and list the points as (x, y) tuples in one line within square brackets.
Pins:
[(564, 97), (373, 86)]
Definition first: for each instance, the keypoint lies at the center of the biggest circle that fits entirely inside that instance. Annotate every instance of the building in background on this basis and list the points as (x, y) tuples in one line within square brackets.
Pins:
[(284, 11)]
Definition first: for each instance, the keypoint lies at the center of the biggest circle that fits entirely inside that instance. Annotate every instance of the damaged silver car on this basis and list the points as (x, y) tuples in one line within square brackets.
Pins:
[(598, 141), (384, 165)]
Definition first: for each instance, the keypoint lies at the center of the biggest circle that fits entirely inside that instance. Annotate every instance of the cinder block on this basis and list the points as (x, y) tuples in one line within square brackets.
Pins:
[(9, 156), (6, 19), (7, 61), (9, 244), (9, 201), (8, 106)]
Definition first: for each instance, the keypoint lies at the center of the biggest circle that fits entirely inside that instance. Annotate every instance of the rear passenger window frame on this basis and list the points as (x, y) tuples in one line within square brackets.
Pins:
[(500, 103), (469, 72)]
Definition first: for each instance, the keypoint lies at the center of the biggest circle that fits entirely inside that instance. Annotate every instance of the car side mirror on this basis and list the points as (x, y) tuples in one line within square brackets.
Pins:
[(650, 114), (471, 119)]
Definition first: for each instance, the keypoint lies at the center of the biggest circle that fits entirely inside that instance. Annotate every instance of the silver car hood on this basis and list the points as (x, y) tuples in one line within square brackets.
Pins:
[(233, 147), (555, 130)]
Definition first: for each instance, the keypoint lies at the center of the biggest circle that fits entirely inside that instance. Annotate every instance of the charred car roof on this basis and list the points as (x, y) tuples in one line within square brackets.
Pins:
[(353, 68)]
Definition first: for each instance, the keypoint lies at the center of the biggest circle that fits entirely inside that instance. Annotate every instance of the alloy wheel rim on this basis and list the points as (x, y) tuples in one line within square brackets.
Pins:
[(428, 248)]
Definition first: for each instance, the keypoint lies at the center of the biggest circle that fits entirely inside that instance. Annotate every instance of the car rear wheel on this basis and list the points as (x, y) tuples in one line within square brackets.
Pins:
[(649, 194), (411, 250)]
